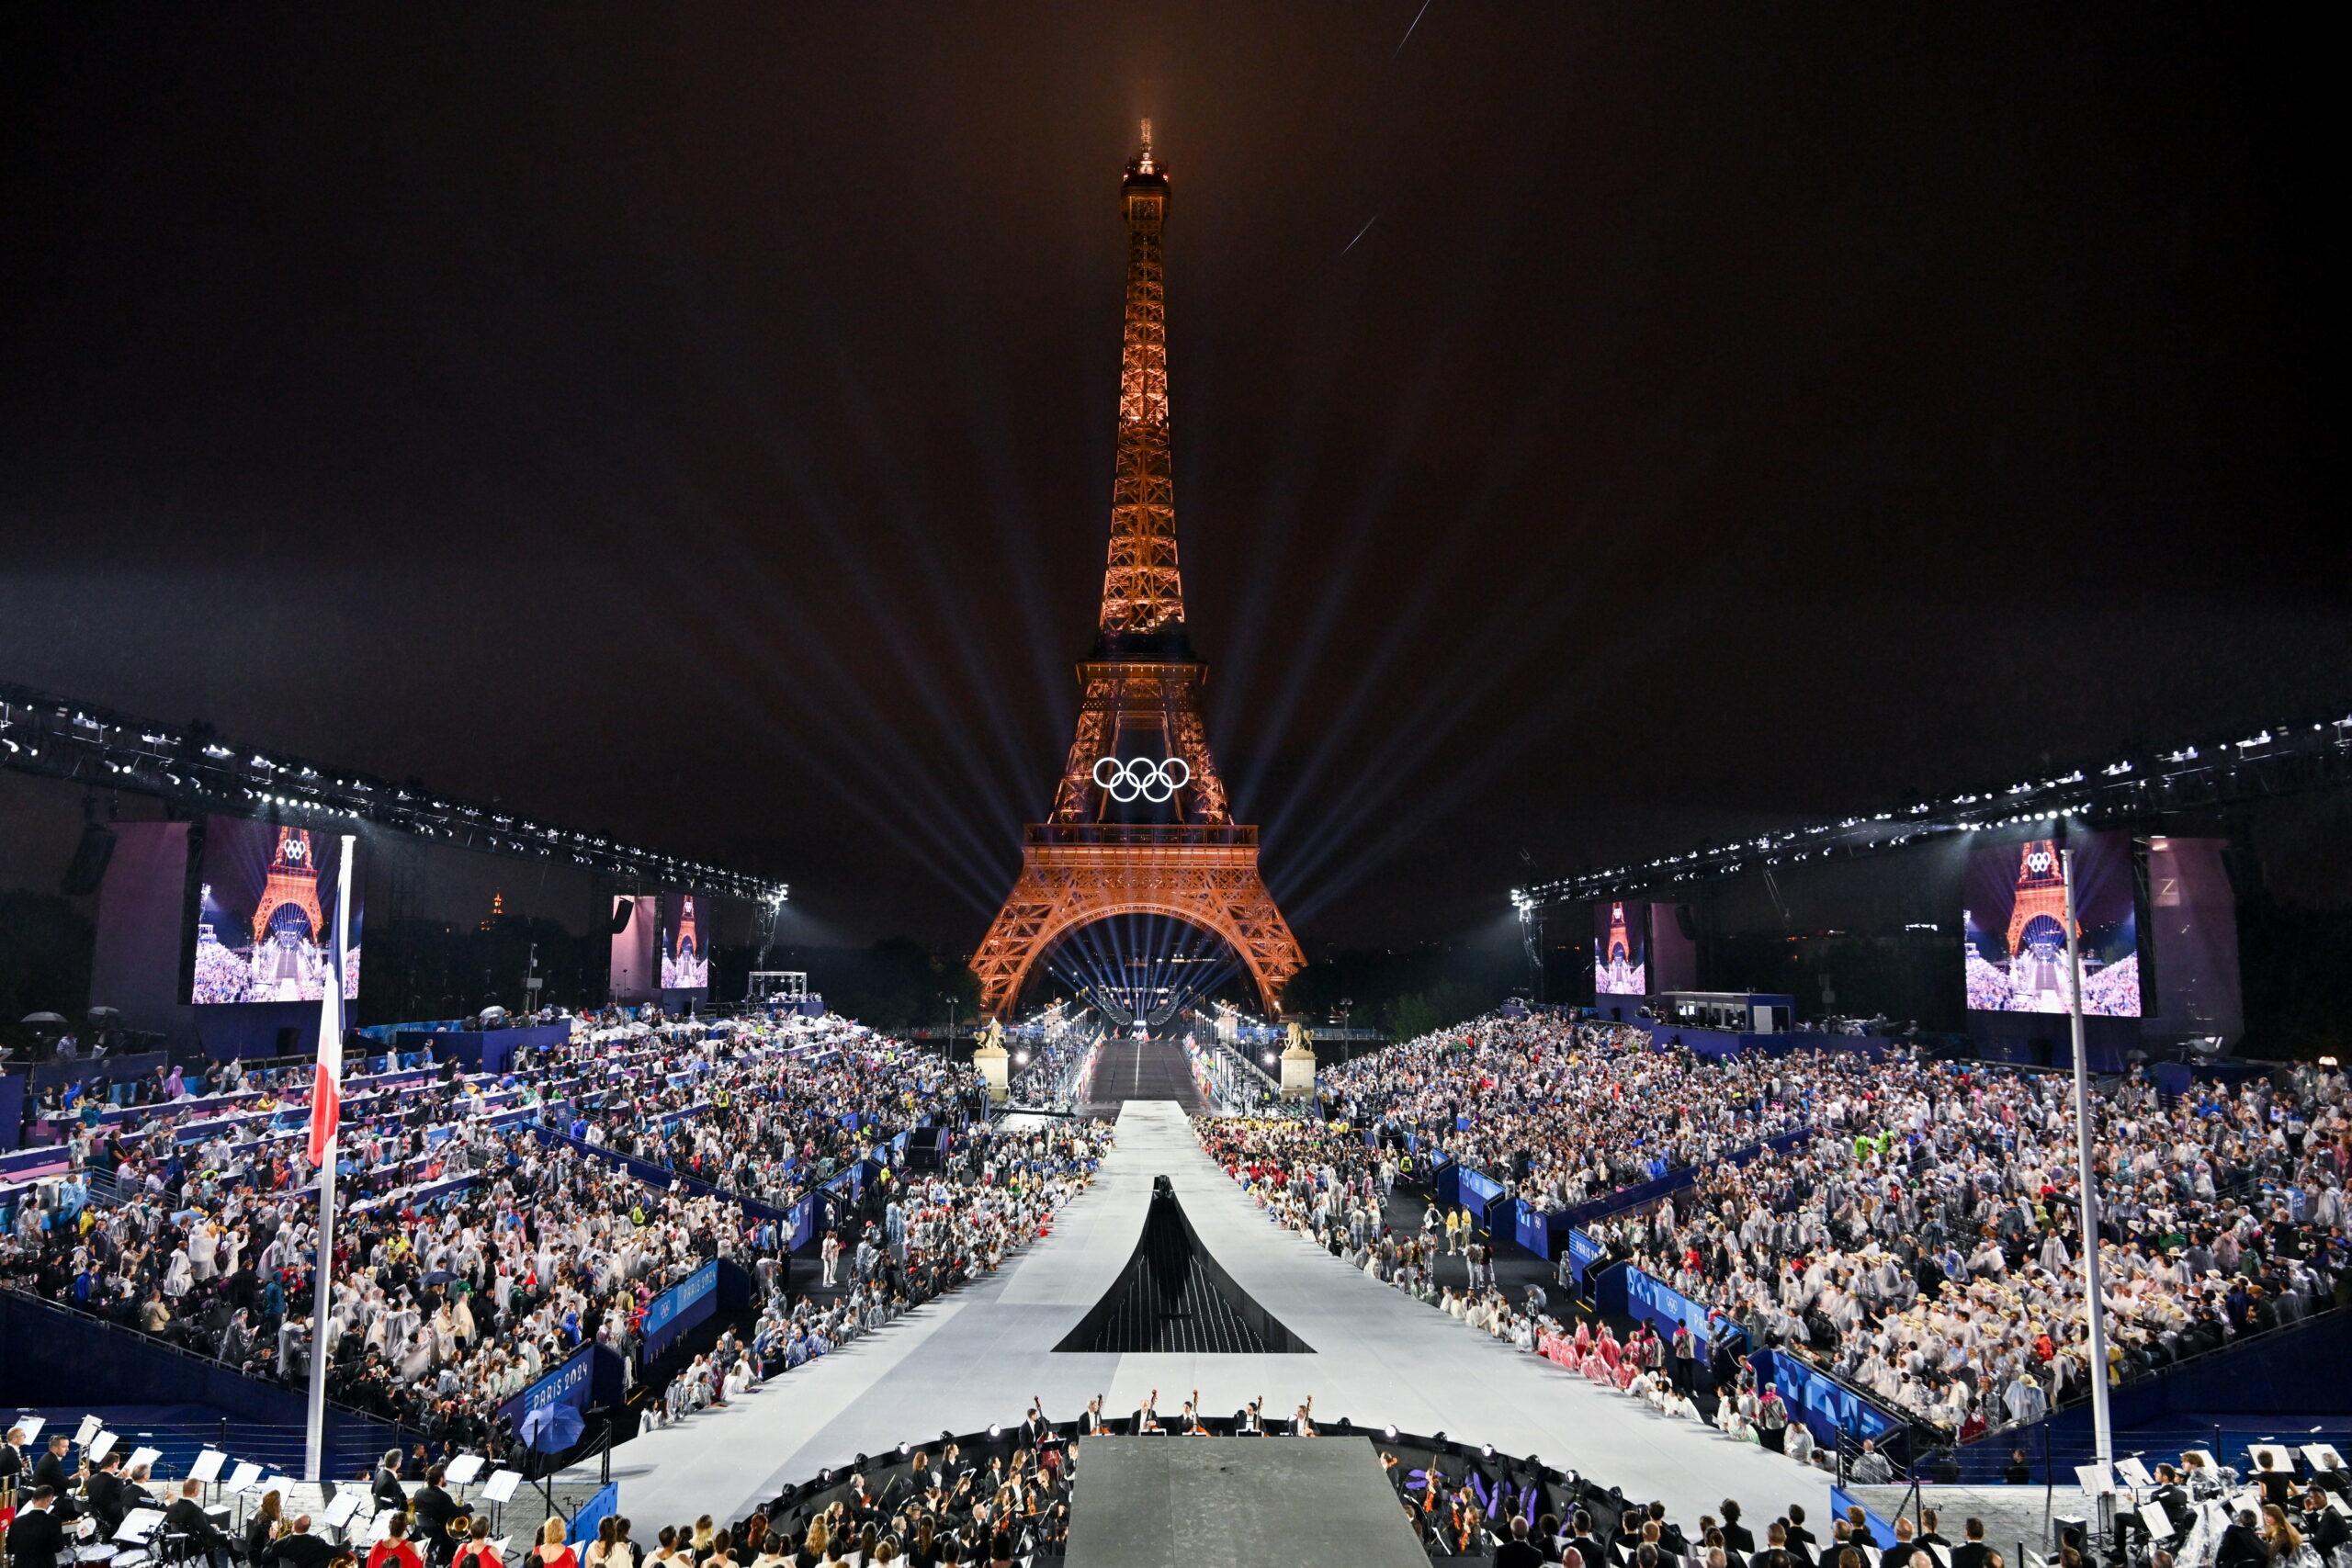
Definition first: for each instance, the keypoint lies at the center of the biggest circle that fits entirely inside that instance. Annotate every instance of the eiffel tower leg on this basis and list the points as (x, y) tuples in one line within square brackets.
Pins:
[(1263, 939), (1016, 940)]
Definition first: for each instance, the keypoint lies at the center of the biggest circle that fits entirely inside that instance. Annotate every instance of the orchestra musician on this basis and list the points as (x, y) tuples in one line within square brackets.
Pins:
[(12, 1465), (478, 1552), (36, 1539), (49, 1471), (135, 1495), (187, 1517), (386, 1490), (298, 1548), (434, 1508), (105, 1492)]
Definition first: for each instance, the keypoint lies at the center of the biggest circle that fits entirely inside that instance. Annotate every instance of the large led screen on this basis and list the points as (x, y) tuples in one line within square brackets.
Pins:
[(2015, 925), (265, 914), (685, 943), (1620, 950)]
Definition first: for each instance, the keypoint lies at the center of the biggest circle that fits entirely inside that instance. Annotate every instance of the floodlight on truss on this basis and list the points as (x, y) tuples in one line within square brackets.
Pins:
[(2273, 759), (56, 737)]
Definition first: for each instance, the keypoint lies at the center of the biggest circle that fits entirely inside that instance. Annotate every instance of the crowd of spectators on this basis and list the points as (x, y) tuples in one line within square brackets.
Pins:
[(996, 1193), (1925, 1243), (473, 1249), (1911, 1225), (1587, 1106)]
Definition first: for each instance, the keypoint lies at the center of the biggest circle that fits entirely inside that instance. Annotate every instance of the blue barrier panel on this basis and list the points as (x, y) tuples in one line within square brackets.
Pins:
[(1826, 1407), (594, 1512), (1447, 1186), (1583, 1252), (571, 1383), (691, 1301), (1475, 1189), (1533, 1228), (806, 1216)]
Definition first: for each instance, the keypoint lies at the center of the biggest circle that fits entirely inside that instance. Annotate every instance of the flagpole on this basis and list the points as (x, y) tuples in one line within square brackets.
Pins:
[(2094, 1295), (327, 1082)]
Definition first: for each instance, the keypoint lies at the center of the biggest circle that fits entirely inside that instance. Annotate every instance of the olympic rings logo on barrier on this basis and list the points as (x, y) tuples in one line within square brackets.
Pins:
[(1140, 778)]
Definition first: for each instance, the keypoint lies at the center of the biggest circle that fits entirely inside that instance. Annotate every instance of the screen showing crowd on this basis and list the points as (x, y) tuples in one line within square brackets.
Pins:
[(265, 913), (685, 945), (1620, 950), (2015, 924)]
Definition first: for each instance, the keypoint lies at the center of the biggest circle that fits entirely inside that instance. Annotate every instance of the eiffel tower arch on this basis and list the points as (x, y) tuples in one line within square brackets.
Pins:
[(1140, 823)]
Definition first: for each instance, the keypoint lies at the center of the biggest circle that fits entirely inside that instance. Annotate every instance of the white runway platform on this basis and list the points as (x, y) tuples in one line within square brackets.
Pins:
[(1380, 1358)]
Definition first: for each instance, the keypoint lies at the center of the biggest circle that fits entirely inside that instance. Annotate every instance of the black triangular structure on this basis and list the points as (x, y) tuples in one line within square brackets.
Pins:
[(1173, 1297)]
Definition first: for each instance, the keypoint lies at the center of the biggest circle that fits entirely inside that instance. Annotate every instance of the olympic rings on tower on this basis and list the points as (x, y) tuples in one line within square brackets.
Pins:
[(1140, 778)]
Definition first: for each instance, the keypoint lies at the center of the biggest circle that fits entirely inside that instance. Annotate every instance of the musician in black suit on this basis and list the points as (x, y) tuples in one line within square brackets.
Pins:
[(49, 1471), (2241, 1545), (1928, 1534), (299, 1548), (106, 1503), (12, 1460), (434, 1508), (1972, 1553), (135, 1495), (2170, 1495), (386, 1490), (1738, 1537), (1801, 1541), (2323, 1528), (1583, 1541), (187, 1517), (35, 1540)]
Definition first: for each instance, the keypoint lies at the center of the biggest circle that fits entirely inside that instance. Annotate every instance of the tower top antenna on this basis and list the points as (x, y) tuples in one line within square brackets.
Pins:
[(1143, 162)]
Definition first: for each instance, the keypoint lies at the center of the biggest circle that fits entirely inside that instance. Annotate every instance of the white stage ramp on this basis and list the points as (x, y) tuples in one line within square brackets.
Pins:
[(1378, 1358)]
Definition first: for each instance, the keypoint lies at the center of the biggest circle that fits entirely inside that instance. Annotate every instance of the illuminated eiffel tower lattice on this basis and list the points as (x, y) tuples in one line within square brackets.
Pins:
[(293, 880), (1140, 823)]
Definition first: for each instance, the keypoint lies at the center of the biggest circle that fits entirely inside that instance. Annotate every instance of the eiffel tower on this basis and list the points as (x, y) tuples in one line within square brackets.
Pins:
[(1139, 823)]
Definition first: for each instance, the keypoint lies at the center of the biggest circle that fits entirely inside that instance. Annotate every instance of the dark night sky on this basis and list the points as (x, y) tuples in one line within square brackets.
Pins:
[(696, 421)]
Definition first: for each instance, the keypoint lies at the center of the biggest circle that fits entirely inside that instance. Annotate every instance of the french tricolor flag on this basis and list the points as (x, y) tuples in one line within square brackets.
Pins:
[(326, 1081)]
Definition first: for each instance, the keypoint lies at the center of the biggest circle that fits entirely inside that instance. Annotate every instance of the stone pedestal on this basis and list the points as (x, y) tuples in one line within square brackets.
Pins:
[(991, 1062), (1298, 1072)]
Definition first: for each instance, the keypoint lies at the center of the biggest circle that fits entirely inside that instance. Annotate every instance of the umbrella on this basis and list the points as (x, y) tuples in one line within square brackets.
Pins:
[(551, 1428), (443, 1276), (43, 1018)]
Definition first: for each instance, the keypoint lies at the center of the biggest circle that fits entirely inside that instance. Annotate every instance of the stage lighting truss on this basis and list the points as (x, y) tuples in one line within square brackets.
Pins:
[(2273, 759), (59, 739)]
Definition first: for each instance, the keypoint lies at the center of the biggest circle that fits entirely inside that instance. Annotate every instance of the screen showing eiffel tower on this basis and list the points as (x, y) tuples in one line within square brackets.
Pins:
[(685, 943), (1620, 950), (2014, 927), (265, 902)]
